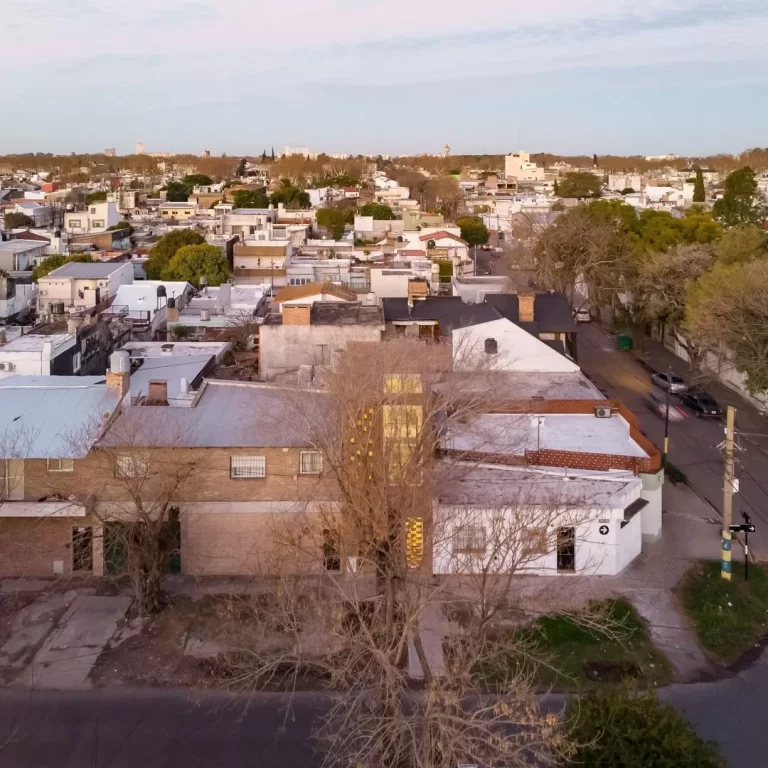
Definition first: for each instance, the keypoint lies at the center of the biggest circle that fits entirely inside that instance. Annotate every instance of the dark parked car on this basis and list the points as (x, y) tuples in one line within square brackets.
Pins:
[(701, 404)]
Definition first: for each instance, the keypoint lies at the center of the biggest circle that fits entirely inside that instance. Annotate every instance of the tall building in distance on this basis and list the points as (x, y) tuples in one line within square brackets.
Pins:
[(139, 147), (110, 152), (205, 153), (446, 150)]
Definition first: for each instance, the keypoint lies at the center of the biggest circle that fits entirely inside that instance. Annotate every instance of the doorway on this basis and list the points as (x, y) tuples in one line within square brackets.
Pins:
[(566, 549), (82, 548), (331, 550)]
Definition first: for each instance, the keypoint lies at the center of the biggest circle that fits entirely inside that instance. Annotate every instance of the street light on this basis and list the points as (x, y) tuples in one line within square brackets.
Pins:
[(666, 420)]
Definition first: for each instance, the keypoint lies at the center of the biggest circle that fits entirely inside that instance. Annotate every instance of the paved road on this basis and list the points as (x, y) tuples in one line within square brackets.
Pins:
[(693, 442), (155, 728), (166, 728)]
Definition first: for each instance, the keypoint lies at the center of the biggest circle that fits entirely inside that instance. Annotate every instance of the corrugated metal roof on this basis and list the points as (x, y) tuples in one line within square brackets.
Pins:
[(226, 414), (52, 417), (87, 270)]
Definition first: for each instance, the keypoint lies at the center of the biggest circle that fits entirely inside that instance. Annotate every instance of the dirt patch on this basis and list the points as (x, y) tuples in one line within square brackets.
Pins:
[(10, 604), (159, 654)]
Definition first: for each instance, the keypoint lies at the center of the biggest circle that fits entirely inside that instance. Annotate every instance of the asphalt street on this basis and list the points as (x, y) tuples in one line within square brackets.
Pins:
[(693, 445), (156, 728)]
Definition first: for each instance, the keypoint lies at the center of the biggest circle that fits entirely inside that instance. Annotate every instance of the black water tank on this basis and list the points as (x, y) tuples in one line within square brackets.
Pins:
[(171, 302), (160, 290)]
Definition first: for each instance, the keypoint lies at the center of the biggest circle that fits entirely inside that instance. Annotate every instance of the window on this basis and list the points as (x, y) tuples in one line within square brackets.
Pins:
[(11, 479), (132, 466), (77, 361), (300, 280), (60, 465), (74, 223), (534, 542), (310, 463), (97, 223), (93, 210), (248, 467), (469, 538)]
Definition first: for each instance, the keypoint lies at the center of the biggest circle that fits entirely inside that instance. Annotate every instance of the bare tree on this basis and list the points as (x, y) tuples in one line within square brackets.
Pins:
[(141, 473), (387, 433)]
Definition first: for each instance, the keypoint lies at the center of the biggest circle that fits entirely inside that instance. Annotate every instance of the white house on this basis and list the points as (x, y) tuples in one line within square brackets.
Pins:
[(79, 286), (501, 345), (144, 303), (21, 255), (41, 215), (97, 217), (33, 354)]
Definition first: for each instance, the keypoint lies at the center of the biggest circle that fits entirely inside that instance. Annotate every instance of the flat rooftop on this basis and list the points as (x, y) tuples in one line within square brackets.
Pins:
[(88, 270), (523, 385), (513, 434), (34, 342), (473, 485), (165, 349)]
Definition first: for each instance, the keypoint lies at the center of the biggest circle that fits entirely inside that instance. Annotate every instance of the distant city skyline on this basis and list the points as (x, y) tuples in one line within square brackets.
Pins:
[(563, 76)]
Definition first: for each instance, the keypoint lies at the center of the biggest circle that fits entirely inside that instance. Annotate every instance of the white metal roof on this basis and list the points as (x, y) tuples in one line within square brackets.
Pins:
[(52, 417)]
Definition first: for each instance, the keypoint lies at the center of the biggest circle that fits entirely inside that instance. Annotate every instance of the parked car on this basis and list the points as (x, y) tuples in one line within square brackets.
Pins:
[(657, 402), (675, 383), (701, 404), (582, 315)]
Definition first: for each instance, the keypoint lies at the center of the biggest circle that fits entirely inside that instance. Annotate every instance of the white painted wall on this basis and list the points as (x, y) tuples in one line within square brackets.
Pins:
[(518, 350), (597, 553)]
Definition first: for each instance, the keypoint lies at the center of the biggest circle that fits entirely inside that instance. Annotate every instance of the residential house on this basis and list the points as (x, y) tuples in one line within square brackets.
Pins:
[(96, 218), (41, 215), (65, 348), (17, 299), (49, 424), (257, 262), (21, 254), (143, 304), (177, 211), (82, 286), (573, 482), (310, 334), (309, 293)]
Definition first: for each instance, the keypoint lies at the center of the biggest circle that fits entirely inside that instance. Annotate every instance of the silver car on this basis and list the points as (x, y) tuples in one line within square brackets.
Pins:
[(672, 382)]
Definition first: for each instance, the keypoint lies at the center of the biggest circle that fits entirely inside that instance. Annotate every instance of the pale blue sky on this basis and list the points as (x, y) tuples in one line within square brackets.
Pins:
[(569, 76)]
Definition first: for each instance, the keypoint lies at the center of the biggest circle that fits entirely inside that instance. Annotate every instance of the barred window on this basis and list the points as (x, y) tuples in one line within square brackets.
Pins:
[(61, 465), (132, 466), (469, 538), (248, 467), (534, 541), (310, 463)]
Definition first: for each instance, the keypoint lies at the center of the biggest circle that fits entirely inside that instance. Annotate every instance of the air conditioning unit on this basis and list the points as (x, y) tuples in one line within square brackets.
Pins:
[(6, 366), (603, 412)]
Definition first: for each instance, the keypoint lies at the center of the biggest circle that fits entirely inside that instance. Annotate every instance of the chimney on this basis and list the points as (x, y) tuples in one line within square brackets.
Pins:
[(416, 289), (171, 311), (296, 314), (526, 300), (158, 392), (119, 373)]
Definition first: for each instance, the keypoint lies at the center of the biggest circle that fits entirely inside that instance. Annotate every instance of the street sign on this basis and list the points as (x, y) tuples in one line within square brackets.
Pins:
[(742, 528), (604, 530)]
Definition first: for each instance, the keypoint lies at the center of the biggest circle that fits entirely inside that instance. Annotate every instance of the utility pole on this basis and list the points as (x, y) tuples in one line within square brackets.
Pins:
[(725, 562)]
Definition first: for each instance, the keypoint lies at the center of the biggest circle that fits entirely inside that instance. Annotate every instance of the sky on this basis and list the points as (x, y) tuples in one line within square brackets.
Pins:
[(403, 76)]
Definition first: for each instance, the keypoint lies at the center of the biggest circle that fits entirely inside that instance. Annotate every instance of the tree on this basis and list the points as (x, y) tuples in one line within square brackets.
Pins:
[(443, 194), (473, 230), (627, 191), (192, 180), (741, 202), (17, 220), (290, 196), (96, 197), (177, 192), (378, 211), (727, 314), (589, 246), (264, 157), (741, 244), (661, 289), (141, 501), (240, 170), (374, 429), (55, 261), (556, 188), (191, 262), (165, 249), (125, 224), (594, 161), (629, 729), (335, 220), (246, 198), (273, 154), (580, 184), (699, 192)]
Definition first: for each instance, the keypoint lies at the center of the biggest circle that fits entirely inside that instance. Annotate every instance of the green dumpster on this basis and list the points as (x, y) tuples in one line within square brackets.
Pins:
[(623, 342)]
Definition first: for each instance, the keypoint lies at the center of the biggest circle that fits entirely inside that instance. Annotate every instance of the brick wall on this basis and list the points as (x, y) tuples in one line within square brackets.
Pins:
[(297, 314), (29, 546)]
